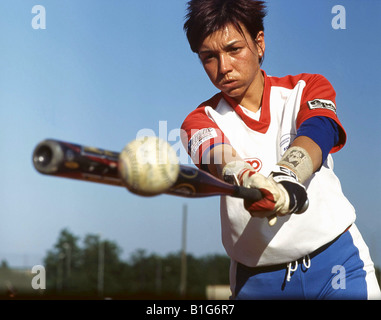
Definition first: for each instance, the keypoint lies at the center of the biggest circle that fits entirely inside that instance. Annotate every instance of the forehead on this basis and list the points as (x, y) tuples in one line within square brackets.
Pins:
[(222, 37)]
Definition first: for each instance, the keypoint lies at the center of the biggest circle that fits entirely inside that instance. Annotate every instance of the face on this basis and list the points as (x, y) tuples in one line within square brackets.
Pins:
[(232, 62)]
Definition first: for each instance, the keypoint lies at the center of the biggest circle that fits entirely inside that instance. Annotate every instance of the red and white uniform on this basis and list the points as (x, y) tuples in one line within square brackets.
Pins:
[(261, 139)]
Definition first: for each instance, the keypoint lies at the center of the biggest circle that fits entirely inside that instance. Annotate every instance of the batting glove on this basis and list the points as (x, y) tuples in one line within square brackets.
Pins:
[(282, 193), (297, 194)]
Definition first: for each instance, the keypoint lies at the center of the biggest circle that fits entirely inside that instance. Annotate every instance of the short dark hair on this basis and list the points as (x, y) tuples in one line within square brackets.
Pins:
[(207, 16)]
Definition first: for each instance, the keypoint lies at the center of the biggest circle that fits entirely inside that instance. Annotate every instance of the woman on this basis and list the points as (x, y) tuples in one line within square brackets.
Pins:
[(274, 134)]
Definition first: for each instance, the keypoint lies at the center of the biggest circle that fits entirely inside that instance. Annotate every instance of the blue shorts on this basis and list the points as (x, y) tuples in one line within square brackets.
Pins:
[(342, 269)]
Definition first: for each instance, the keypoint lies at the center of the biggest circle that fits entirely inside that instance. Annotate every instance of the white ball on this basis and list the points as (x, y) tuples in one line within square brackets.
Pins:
[(148, 166)]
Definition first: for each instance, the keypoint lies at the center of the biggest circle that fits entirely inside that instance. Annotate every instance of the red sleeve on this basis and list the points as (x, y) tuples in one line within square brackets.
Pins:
[(318, 99), (199, 133)]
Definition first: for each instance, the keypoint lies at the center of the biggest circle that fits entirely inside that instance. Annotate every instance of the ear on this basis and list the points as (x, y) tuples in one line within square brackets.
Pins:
[(260, 41)]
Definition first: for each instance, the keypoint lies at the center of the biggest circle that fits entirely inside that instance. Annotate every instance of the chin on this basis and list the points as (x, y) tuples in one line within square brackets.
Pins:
[(234, 94)]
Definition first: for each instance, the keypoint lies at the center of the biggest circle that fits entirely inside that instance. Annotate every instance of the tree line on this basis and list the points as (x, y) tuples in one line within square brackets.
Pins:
[(95, 269)]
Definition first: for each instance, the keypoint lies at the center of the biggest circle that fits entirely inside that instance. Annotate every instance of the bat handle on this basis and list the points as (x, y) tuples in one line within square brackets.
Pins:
[(254, 195)]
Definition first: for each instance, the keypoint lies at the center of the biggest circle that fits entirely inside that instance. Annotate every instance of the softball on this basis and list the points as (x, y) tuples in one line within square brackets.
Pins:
[(148, 166)]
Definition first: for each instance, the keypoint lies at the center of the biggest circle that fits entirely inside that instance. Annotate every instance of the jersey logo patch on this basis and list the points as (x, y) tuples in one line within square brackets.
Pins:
[(255, 163), (322, 104), (199, 138)]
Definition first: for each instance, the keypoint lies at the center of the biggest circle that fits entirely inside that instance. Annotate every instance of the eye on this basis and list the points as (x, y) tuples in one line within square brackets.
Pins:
[(235, 49), (207, 57)]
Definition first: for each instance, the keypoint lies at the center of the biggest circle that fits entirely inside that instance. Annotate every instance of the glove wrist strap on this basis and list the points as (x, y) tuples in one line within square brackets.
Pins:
[(298, 161)]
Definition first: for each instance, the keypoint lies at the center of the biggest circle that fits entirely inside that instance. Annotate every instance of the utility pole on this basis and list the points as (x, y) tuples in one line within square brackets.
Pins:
[(183, 278)]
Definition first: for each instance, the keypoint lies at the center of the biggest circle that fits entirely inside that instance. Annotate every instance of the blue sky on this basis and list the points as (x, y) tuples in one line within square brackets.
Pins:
[(102, 71)]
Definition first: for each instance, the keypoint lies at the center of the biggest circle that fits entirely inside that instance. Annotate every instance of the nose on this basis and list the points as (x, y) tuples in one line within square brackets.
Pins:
[(225, 65)]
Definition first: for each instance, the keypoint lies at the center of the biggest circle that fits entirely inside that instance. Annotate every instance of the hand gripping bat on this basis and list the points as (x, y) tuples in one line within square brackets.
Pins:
[(74, 161)]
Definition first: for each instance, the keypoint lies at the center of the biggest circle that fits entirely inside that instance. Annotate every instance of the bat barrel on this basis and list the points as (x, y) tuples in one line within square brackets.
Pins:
[(58, 158)]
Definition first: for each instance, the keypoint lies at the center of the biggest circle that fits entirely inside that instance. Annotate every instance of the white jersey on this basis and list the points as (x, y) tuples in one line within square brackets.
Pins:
[(261, 139)]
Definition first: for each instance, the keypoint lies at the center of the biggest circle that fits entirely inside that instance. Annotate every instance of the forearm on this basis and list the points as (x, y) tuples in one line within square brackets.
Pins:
[(219, 156), (304, 157), (312, 148)]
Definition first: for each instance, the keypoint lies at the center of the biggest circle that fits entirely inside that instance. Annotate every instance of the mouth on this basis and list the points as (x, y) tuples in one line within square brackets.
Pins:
[(228, 84), (225, 81)]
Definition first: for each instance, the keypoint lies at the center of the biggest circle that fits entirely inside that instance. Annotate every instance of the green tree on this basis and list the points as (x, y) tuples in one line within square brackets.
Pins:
[(63, 263), (88, 271), (95, 269), (104, 269), (145, 278)]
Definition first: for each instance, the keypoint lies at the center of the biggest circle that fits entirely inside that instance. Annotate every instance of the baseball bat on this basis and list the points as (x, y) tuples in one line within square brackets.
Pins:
[(74, 161)]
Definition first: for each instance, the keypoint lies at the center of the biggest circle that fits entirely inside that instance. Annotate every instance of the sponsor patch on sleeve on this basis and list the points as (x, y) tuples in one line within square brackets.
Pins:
[(322, 104), (199, 138)]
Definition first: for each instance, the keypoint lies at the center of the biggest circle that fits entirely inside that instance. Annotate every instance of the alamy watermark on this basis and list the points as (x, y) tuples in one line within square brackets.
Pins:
[(39, 18), (338, 281), (39, 280), (339, 21)]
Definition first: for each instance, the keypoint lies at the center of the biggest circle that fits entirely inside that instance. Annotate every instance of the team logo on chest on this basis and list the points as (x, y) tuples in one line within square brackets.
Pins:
[(255, 163)]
